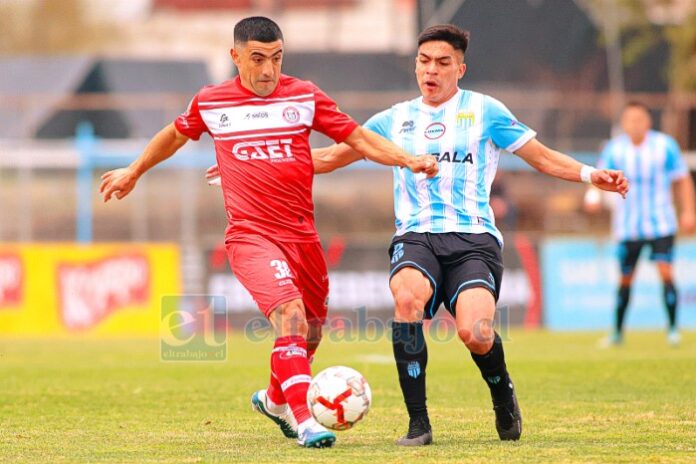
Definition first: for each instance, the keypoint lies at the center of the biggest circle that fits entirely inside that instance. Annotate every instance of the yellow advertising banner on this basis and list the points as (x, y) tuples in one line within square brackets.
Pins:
[(101, 289)]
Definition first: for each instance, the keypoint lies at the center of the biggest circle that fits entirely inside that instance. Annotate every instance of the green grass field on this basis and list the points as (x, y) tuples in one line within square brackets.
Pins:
[(115, 401)]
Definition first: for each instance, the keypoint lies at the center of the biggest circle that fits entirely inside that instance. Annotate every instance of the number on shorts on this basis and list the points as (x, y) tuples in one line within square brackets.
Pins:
[(282, 268)]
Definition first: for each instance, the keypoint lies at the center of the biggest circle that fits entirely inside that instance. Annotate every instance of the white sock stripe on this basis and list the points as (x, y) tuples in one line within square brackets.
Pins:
[(294, 380), (292, 349)]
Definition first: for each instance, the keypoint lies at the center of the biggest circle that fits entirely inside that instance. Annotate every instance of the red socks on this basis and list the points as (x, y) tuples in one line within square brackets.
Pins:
[(290, 367), (274, 391)]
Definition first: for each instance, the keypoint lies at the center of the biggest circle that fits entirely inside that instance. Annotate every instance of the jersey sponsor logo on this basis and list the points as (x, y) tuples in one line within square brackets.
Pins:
[(11, 278), (407, 127), (434, 131), (279, 150), (465, 119), (455, 157), (90, 293), (291, 114), (224, 121), (257, 115)]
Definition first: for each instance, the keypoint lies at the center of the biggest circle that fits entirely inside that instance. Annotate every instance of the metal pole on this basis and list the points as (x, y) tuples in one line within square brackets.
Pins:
[(614, 57), (85, 141)]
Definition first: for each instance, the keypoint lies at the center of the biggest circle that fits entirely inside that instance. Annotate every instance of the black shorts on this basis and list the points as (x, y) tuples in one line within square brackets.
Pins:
[(452, 261), (660, 250)]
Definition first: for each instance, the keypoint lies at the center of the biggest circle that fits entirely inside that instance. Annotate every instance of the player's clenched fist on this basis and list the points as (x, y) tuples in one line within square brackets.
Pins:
[(426, 163), (611, 181), (118, 182)]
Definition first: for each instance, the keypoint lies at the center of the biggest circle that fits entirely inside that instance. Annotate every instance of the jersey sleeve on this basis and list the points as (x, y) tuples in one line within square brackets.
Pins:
[(380, 123), (329, 120), (675, 165), (504, 129), (606, 158), (190, 123)]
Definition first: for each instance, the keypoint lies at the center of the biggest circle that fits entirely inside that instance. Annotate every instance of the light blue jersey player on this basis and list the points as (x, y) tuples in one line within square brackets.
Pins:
[(653, 162), (466, 134), (446, 248)]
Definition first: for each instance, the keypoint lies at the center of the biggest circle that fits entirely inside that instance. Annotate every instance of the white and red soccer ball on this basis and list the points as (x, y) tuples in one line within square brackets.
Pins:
[(338, 397)]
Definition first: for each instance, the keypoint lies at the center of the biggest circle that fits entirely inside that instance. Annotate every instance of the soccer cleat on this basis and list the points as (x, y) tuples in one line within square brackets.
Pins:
[(285, 420), (673, 337), (311, 434), (613, 340), (419, 433), (508, 419)]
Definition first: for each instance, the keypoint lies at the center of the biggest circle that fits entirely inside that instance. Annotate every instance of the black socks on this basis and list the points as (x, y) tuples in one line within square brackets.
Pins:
[(670, 295), (623, 296), (411, 356), (494, 372)]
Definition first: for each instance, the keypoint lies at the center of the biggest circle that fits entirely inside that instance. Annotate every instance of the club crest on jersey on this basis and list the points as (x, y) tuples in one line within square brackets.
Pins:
[(291, 114), (434, 131), (465, 119)]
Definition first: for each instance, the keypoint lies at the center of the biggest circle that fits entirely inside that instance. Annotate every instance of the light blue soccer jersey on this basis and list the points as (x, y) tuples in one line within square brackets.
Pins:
[(648, 211), (466, 134)]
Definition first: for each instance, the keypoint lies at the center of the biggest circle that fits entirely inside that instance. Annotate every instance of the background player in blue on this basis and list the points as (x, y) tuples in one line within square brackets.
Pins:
[(653, 162), (447, 248)]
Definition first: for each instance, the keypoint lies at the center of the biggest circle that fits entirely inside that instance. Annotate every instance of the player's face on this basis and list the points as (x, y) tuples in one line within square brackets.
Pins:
[(636, 122), (438, 69), (259, 65)]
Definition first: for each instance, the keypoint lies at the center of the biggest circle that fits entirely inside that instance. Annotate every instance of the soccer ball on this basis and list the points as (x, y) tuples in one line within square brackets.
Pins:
[(338, 397)]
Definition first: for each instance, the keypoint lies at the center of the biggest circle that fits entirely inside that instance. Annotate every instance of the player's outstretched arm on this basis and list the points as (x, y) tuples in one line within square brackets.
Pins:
[(120, 182), (380, 150), (556, 164), (334, 157)]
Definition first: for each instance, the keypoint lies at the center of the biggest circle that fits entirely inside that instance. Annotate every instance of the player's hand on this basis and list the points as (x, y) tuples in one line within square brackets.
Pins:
[(687, 222), (212, 172), (212, 175), (118, 182), (426, 163), (611, 181)]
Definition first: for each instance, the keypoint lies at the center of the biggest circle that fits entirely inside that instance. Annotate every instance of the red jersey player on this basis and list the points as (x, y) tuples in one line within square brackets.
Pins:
[(260, 123)]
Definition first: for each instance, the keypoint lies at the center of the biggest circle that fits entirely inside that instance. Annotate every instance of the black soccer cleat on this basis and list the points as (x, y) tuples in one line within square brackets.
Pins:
[(508, 419), (419, 433)]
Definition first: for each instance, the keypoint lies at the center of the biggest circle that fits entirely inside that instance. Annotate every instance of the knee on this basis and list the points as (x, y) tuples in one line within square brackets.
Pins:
[(292, 319), (409, 305), (477, 337)]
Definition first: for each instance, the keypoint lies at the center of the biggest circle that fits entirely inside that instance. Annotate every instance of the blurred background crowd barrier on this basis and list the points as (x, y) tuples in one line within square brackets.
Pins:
[(85, 83)]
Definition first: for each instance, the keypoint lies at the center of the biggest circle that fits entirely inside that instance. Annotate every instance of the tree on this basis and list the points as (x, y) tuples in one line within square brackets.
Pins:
[(51, 27), (644, 24)]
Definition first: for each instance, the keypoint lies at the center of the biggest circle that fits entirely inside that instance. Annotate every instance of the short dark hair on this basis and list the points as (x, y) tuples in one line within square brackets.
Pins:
[(457, 38), (636, 104), (257, 28)]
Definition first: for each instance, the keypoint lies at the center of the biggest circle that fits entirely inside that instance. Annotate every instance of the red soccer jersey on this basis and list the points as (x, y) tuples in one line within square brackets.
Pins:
[(263, 152)]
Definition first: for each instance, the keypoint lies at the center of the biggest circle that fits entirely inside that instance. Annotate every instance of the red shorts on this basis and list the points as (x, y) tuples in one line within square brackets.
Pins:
[(275, 273)]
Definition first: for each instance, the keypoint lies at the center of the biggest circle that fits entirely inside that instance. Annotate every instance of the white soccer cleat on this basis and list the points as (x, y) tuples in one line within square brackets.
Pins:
[(284, 419), (673, 337), (610, 341), (311, 434)]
